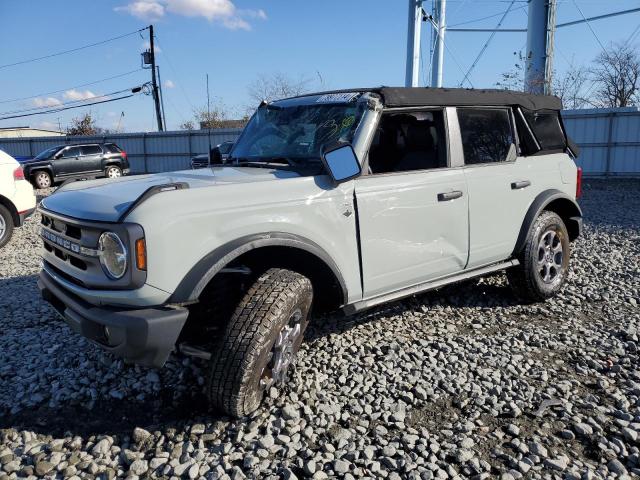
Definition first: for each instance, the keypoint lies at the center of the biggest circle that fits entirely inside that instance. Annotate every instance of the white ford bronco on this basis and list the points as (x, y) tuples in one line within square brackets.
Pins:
[(332, 201)]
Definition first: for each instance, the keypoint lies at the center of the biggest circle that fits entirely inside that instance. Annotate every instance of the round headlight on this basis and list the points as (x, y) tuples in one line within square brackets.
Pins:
[(113, 255)]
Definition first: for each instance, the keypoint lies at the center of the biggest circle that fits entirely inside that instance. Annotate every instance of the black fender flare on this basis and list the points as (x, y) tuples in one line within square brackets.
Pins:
[(194, 282), (571, 212)]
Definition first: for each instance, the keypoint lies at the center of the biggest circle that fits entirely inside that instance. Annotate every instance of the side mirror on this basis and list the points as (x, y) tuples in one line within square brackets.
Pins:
[(341, 162)]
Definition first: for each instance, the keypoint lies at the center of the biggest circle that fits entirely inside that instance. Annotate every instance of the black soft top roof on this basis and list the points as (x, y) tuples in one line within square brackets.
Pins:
[(411, 97), (426, 96)]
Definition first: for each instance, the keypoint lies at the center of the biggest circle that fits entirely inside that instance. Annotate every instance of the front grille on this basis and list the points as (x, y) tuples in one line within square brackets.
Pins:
[(71, 246)]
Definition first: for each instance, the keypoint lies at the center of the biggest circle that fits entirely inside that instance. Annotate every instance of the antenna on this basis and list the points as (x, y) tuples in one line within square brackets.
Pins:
[(208, 123)]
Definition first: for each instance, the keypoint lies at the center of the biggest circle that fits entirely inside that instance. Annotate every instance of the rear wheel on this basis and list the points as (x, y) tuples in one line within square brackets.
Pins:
[(113, 171), (544, 261), (260, 342), (6, 226), (42, 179)]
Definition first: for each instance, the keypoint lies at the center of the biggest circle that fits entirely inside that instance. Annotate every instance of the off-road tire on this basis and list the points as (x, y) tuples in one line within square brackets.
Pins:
[(42, 179), (238, 365), (6, 226), (526, 279)]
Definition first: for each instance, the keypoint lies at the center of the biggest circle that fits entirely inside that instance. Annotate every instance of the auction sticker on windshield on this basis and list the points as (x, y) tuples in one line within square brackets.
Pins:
[(337, 97)]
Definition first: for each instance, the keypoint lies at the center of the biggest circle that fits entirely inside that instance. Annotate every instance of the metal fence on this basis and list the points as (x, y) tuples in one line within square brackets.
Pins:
[(147, 152), (609, 140)]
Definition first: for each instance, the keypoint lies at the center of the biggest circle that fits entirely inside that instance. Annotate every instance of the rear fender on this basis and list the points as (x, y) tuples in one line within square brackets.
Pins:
[(558, 202)]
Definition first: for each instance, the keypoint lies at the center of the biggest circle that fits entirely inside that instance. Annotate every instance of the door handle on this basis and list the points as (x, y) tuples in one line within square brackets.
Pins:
[(520, 184), (446, 196)]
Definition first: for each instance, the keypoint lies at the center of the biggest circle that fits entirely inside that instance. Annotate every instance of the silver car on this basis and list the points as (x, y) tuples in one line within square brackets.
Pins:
[(331, 201)]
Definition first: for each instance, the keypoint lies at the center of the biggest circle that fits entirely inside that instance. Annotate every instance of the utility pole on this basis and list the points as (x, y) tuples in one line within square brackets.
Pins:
[(164, 117), (413, 43), (539, 55), (437, 61), (154, 83)]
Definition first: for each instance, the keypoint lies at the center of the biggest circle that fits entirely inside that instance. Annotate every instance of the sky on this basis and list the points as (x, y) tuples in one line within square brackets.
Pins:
[(330, 44)]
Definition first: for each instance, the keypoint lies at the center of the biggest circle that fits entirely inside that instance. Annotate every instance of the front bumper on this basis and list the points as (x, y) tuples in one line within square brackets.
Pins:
[(142, 336)]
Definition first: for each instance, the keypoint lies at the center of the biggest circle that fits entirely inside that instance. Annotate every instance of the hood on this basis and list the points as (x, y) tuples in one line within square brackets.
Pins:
[(24, 160), (108, 200)]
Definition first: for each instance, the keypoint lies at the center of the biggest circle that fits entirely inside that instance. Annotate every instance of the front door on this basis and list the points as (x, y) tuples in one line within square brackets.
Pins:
[(68, 163), (412, 205)]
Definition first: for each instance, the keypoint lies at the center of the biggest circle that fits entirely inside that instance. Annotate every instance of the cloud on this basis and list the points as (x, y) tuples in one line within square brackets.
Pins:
[(169, 84), (143, 9), (78, 94), (46, 102), (223, 11), (47, 125)]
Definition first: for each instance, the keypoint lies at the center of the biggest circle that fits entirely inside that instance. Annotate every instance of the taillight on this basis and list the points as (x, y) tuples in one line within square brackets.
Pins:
[(124, 154), (579, 182), (18, 174)]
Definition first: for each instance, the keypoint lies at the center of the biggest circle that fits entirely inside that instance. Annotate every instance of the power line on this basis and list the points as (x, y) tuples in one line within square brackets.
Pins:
[(589, 25), (486, 44), (67, 108), (71, 88), (175, 72), (65, 103), (72, 50), (483, 18)]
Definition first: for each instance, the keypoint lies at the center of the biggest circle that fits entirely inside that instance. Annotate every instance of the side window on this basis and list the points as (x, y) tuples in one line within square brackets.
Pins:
[(409, 141), (71, 152), (487, 135), (91, 150), (546, 127)]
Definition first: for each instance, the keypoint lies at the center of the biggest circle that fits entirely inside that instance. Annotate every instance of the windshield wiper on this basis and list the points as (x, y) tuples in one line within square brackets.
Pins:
[(257, 164)]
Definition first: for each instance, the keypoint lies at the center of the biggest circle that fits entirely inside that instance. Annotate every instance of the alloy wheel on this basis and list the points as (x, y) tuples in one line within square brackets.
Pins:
[(114, 172), (550, 256), (3, 228), (283, 353)]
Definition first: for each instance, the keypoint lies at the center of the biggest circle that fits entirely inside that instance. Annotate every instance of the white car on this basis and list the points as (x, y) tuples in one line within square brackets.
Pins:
[(17, 198)]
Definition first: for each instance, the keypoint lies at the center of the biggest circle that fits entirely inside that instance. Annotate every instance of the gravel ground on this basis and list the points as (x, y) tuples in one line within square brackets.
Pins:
[(463, 382)]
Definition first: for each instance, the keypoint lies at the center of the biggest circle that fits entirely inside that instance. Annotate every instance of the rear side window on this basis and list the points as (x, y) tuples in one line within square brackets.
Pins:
[(546, 127), (91, 150), (112, 148), (71, 152), (487, 135)]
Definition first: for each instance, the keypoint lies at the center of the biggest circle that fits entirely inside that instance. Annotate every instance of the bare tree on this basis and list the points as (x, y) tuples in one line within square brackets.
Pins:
[(188, 125), (84, 125), (214, 117), (570, 87), (616, 77), (275, 86)]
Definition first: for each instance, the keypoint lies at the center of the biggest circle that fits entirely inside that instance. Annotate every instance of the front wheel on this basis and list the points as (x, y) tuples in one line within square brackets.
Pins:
[(6, 226), (260, 342), (544, 261), (113, 171)]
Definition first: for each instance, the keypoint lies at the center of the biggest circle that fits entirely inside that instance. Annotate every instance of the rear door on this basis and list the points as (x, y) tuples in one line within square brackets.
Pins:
[(499, 182), (91, 159), (412, 204)]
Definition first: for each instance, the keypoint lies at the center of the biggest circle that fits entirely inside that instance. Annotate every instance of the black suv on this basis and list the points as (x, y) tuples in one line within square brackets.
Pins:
[(64, 162)]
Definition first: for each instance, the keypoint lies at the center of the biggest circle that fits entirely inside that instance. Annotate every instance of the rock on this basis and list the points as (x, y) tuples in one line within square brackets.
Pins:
[(583, 429), (42, 468), (103, 447), (197, 429), (559, 463), (290, 412), (138, 467), (140, 435), (340, 466), (617, 467)]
